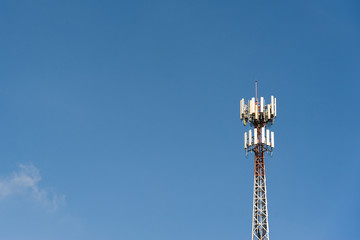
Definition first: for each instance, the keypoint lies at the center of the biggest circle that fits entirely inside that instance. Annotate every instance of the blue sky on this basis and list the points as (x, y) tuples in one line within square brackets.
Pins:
[(120, 119)]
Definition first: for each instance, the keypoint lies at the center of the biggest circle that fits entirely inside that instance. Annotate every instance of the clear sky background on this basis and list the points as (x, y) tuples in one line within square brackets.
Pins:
[(120, 119)]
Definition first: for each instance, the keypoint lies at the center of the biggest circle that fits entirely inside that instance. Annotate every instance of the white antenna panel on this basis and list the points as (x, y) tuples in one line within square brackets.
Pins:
[(255, 136), (241, 108), (272, 104), (245, 140), (275, 108), (268, 111), (263, 135), (240, 111), (249, 105), (272, 140), (261, 104), (250, 139), (256, 113), (253, 105), (268, 137)]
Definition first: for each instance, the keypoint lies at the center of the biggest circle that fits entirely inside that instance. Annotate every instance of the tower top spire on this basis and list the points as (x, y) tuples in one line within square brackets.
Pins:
[(256, 90)]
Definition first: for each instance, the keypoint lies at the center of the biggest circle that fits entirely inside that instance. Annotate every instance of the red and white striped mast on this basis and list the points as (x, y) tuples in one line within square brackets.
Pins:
[(259, 140)]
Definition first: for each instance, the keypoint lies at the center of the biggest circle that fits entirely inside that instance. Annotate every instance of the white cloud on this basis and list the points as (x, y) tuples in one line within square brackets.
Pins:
[(25, 182)]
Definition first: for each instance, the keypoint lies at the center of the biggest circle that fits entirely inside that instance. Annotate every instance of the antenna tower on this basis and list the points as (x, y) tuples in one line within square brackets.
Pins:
[(259, 140)]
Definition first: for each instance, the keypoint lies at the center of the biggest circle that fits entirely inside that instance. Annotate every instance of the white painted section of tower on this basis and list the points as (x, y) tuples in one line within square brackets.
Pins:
[(260, 224)]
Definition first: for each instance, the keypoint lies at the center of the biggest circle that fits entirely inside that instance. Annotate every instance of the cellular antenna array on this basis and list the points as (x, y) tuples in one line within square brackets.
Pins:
[(259, 139)]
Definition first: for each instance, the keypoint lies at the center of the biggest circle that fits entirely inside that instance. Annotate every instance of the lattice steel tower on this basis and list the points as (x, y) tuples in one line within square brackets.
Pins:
[(259, 140)]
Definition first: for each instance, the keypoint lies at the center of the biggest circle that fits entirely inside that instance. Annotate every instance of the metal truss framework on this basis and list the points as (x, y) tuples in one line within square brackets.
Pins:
[(260, 224)]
